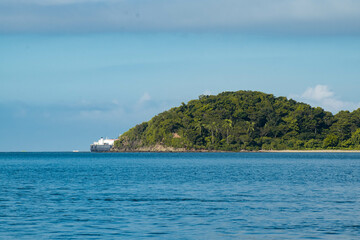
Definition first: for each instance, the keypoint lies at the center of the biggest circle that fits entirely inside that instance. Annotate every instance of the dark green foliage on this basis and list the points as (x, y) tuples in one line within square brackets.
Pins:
[(245, 120)]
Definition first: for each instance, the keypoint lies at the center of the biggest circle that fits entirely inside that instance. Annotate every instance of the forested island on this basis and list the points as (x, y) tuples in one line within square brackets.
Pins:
[(244, 121)]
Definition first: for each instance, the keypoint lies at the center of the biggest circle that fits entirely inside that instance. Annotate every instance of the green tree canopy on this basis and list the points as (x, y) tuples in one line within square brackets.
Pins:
[(244, 120)]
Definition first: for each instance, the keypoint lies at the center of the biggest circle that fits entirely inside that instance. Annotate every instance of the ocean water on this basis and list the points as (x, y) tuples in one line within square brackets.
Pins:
[(179, 195)]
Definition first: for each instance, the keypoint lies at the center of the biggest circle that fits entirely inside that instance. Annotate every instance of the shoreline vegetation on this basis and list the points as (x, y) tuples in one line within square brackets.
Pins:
[(244, 121), (179, 150), (242, 151)]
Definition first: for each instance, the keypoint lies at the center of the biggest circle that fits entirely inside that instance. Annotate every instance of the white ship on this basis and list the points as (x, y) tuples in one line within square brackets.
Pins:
[(103, 145)]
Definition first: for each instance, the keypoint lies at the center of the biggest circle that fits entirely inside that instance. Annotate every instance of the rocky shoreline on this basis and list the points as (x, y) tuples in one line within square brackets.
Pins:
[(160, 148)]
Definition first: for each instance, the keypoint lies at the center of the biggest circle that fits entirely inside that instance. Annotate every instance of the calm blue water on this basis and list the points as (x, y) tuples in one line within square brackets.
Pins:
[(180, 196)]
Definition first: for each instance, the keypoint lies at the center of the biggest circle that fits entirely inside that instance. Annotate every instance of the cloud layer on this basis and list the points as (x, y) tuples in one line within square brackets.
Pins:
[(322, 96), (74, 125), (277, 16)]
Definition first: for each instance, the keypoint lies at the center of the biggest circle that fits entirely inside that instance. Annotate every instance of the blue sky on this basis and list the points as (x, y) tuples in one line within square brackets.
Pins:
[(72, 71)]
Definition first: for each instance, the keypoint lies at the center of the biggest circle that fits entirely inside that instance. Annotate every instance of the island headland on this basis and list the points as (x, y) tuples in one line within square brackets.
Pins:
[(243, 121)]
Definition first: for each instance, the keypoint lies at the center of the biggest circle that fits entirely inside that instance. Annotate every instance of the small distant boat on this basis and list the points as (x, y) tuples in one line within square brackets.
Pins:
[(75, 150)]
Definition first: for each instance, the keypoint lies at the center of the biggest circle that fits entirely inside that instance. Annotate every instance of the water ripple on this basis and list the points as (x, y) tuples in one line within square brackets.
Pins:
[(179, 196)]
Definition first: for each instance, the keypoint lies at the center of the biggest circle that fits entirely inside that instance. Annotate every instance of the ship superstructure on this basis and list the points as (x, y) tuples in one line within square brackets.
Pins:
[(103, 145)]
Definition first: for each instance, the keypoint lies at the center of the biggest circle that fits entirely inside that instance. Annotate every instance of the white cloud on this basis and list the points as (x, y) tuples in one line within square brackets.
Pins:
[(322, 96), (318, 93), (145, 98), (52, 2), (300, 16)]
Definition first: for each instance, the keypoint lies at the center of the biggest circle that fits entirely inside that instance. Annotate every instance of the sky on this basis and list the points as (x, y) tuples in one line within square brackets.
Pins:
[(72, 71)]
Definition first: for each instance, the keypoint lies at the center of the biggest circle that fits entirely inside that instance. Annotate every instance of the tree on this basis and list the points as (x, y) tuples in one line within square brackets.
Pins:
[(355, 138), (331, 141), (227, 125)]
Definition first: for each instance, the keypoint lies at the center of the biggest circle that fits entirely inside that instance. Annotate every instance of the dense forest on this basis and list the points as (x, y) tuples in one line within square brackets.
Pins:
[(244, 120)]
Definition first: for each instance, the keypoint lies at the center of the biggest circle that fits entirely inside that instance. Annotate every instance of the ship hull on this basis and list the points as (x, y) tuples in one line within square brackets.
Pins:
[(100, 148)]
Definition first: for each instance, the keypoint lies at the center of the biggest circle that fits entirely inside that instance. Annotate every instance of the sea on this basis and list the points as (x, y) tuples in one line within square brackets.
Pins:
[(179, 195)]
